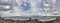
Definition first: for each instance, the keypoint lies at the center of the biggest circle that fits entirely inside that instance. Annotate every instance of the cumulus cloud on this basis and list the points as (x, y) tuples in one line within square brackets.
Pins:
[(17, 11)]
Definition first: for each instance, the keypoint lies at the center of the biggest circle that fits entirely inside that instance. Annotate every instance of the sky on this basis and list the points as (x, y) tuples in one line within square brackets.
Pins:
[(30, 6)]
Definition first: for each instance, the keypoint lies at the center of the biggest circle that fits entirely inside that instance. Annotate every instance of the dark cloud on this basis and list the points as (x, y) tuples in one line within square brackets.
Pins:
[(4, 9), (5, 4)]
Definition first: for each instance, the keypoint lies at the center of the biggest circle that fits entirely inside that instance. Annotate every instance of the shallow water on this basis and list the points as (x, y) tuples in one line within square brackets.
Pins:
[(40, 18)]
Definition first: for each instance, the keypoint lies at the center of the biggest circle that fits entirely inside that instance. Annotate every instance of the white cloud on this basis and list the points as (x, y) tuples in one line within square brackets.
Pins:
[(17, 11), (7, 7)]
